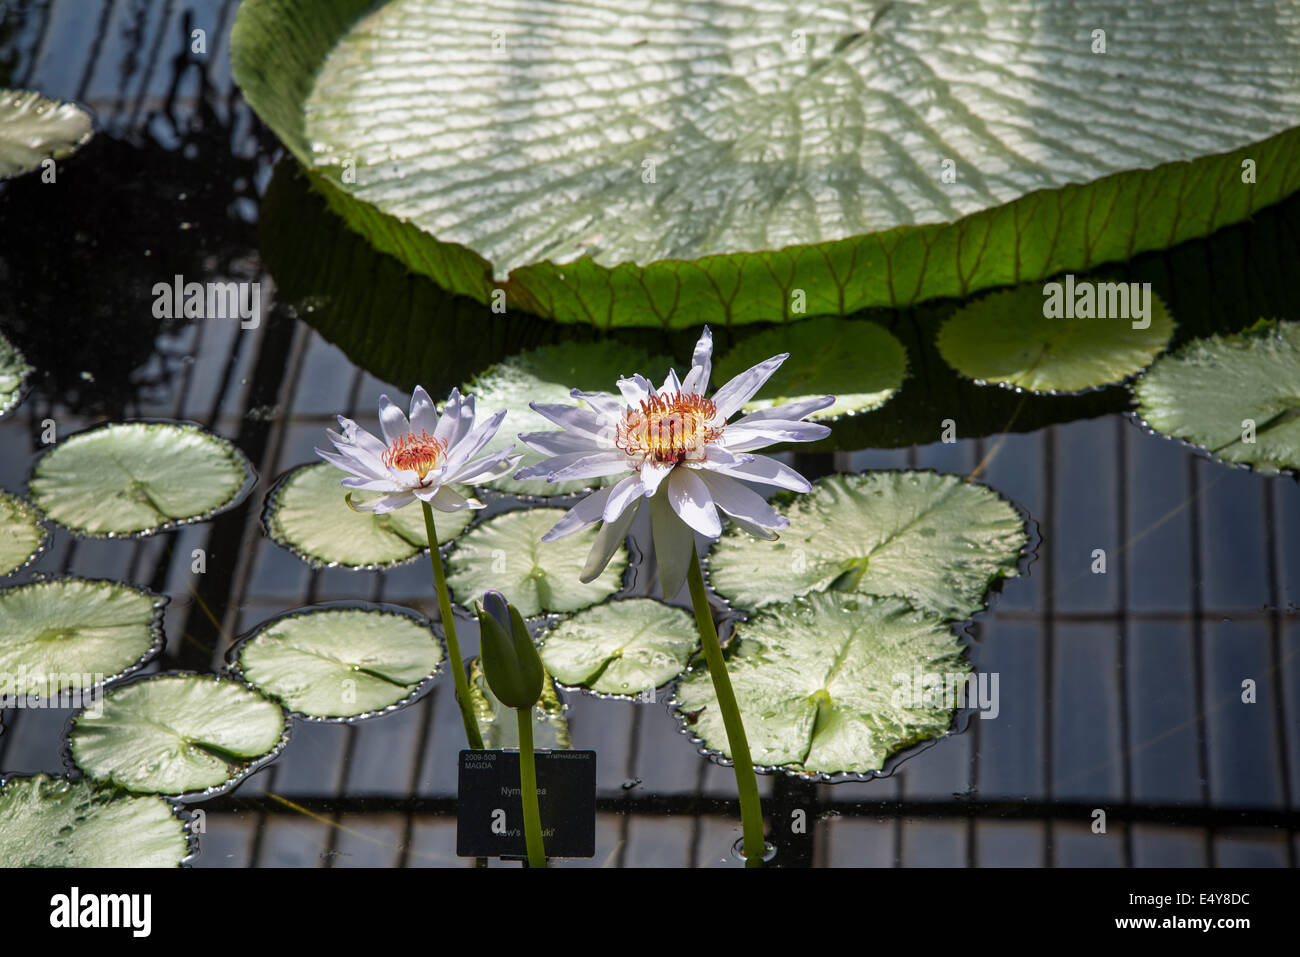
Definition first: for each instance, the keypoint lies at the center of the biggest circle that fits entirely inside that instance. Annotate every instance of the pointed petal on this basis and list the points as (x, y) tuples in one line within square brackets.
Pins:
[(354, 434), (766, 470), (602, 403), (457, 419), (652, 473), (745, 435), (593, 465), (389, 503), (371, 485), (350, 465), (741, 389), (742, 503), (584, 514), (574, 419), (473, 443), (636, 389), (556, 443), (424, 417), (622, 495), (447, 499), (674, 546), (545, 468), (791, 410), (392, 420), (608, 539), (697, 380), (690, 499)]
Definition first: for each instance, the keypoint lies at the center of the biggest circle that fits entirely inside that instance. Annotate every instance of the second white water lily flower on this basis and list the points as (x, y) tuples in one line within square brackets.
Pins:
[(420, 457), (684, 457)]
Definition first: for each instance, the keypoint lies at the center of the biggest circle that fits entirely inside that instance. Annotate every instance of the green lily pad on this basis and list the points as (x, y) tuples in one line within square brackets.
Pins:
[(341, 662), (1005, 338), (139, 478), (709, 161), (858, 362), (22, 536), (13, 373), (621, 647), (54, 822), (34, 127), (825, 684), (76, 634), (177, 733), (306, 514), (547, 375), (507, 553), (1236, 396), (934, 539), (499, 726)]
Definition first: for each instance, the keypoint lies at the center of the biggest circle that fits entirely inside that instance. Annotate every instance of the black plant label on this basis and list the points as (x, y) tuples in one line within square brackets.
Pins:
[(489, 809)]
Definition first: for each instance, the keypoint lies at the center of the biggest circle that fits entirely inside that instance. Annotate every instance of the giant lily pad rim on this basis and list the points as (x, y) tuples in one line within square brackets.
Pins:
[(24, 384), (250, 480), (234, 670), (1026, 557), (157, 634), (46, 531), (961, 718), (178, 810), (188, 797)]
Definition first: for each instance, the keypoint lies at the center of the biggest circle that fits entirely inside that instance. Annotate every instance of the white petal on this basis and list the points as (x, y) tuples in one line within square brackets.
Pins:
[(791, 410), (746, 435), (354, 434), (544, 469), (697, 380), (457, 419), (766, 470), (690, 499), (392, 420), (575, 419), (652, 473), (674, 546), (556, 443), (593, 465), (487, 468), (742, 388), (584, 514), (715, 456), (636, 389), (389, 503), (371, 485), (472, 444), (602, 403), (446, 499), (424, 417), (741, 502), (621, 496), (608, 539), (350, 465), (672, 384)]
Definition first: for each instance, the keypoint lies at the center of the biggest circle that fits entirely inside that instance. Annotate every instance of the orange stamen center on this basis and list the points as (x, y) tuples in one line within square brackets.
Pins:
[(416, 453), (666, 429)]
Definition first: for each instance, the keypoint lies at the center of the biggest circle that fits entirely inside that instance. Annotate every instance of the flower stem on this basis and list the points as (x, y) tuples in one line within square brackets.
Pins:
[(528, 789), (472, 734), (751, 809)]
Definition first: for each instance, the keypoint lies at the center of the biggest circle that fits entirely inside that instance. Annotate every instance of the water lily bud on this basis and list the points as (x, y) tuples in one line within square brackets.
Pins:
[(511, 664)]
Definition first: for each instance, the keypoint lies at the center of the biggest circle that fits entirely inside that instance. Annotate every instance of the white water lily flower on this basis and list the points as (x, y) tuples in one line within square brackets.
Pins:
[(684, 457), (421, 457)]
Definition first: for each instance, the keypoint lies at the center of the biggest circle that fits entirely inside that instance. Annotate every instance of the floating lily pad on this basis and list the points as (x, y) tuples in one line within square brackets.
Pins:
[(934, 539), (13, 373), (829, 684), (1005, 338), (54, 822), (177, 733), (306, 514), (22, 536), (621, 647), (858, 362), (34, 127), (680, 162), (547, 375), (341, 662), (138, 478), (75, 633), (507, 553), (498, 724), (1222, 392)]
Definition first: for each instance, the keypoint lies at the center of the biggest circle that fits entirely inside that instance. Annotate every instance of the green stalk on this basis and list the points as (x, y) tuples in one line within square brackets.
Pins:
[(472, 734), (528, 789), (751, 809)]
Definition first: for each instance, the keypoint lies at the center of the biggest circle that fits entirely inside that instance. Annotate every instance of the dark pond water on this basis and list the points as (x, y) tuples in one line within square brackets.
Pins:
[(1119, 691)]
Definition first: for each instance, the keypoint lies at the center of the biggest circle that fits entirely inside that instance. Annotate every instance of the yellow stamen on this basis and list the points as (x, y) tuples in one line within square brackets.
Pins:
[(416, 453), (666, 429)]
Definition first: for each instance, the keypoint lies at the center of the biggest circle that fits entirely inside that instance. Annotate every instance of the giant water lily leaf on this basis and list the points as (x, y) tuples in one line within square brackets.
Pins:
[(54, 822), (688, 162), (507, 553), (827, 684), (859, 363), (306, 514), (13, 373), (621, 647), (139, 478), (548, 375), (936, 540), (1236, 396), (21, 534), (177, 733), (499, 725), (34, 128), (341, 662), (1006, 338), (75, 633)]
